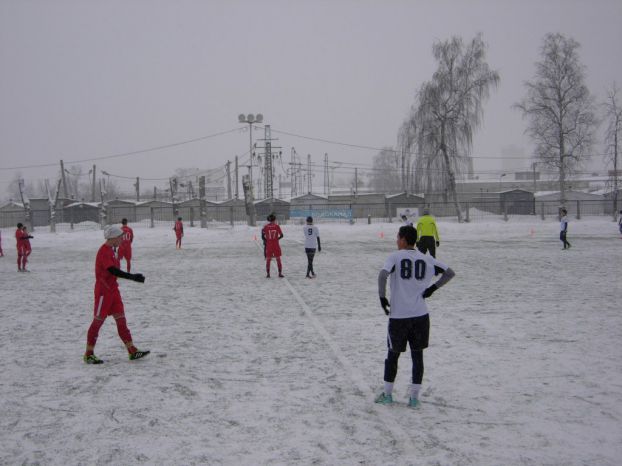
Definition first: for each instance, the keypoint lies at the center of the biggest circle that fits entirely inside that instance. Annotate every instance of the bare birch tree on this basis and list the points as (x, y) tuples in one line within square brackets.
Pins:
[(613, 137), (450, 109), (384, 177), (560, 109)]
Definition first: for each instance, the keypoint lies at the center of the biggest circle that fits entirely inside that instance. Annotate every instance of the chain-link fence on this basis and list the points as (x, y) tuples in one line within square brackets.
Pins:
[(92, 216)]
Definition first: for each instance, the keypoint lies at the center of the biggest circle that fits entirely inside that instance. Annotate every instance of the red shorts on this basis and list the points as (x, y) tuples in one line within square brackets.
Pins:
[(125, 253), (273, 251), (108, 304), (21, 251)]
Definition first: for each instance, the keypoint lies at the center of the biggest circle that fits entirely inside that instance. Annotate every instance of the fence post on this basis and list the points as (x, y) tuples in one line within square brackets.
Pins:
[(231, 215), (578, 210), (71, 218), (505, 214), (192, 216), (151, 219), (467, 220), (542, 210)]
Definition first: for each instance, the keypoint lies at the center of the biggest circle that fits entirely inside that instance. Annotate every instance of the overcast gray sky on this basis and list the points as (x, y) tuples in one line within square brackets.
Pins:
[(84, 79)]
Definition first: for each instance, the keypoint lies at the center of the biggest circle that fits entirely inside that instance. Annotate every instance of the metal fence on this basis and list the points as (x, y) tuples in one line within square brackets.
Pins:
[(472, 211)]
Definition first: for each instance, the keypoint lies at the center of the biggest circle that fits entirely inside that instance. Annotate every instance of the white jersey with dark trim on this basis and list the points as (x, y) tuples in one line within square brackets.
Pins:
[(411, 273), (311, 233), (563, 223)]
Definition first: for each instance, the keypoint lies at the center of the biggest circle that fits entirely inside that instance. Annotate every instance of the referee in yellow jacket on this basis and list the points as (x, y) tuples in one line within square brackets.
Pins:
[(427, 234)]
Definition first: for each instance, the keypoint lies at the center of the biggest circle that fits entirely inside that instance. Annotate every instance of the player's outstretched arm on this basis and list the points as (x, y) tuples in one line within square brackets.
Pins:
[(137, 277)]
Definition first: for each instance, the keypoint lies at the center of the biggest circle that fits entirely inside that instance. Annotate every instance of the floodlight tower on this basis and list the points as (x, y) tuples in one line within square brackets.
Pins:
[(250, 119)]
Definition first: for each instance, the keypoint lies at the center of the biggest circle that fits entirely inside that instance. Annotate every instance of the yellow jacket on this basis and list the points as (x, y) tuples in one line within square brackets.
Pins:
[(426, 226)]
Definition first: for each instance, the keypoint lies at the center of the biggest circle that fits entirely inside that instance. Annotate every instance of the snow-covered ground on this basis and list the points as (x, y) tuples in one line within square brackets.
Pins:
[(524, 364)]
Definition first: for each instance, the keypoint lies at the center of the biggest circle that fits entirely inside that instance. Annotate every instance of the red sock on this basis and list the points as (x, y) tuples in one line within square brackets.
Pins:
[(124, 332), (92, 334)]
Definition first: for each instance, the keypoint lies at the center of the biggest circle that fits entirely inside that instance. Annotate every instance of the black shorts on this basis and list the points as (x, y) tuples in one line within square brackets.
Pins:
[(414, 330)]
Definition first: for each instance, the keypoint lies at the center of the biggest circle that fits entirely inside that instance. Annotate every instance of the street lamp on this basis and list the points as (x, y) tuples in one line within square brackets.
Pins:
[(250, 119)]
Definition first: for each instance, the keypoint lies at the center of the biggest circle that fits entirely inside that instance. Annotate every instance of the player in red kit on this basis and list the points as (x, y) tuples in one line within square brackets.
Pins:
[(26, 237), (108, 298), (179, 232), (20, 236), (271, 234), (125, 248)]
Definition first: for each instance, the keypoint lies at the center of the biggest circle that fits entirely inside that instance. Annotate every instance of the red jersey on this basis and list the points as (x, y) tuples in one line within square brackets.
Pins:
[(20, 236), (104, 280), (128, 237), (179, 228), (271, 233)]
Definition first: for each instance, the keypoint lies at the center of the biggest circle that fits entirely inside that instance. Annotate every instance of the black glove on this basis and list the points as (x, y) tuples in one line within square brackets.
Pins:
[(428, 291), (438, 243), (319, 249), (138, 277), (384, 302)]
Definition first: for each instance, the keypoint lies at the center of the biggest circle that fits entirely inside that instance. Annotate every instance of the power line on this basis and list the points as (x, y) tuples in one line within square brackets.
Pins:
[(126, 154)]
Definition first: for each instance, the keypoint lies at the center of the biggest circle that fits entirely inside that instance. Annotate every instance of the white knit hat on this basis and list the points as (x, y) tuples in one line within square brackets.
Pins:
[(112, 231)]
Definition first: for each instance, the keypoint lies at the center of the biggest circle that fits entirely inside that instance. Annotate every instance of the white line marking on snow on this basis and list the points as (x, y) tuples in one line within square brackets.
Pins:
[(355, 376)]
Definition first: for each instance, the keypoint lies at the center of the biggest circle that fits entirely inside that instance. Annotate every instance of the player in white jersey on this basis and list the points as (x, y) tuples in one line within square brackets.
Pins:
[(312, 236), (563, 228), (412, 275)]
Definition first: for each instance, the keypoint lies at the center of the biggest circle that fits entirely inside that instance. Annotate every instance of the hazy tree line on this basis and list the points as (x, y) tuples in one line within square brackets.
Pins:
[(435, 140)]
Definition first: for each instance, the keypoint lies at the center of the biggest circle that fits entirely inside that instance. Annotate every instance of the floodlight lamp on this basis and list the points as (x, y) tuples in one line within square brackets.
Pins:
[(259, 118), (241, 118), (250, 118)]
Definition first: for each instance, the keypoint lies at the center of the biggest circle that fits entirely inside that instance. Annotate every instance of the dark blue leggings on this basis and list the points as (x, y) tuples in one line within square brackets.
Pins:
[(390, 366)]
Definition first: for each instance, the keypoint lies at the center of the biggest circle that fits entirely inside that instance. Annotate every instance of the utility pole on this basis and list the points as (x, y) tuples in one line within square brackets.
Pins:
[(292, 165), (137, 185), (228, 169), (326, 176), (237, 184), (356, 180), (309, 181), (62, 174), (93, 185)]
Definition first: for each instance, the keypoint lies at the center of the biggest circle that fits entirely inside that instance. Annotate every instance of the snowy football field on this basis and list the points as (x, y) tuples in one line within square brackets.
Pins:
[(524, 365)]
